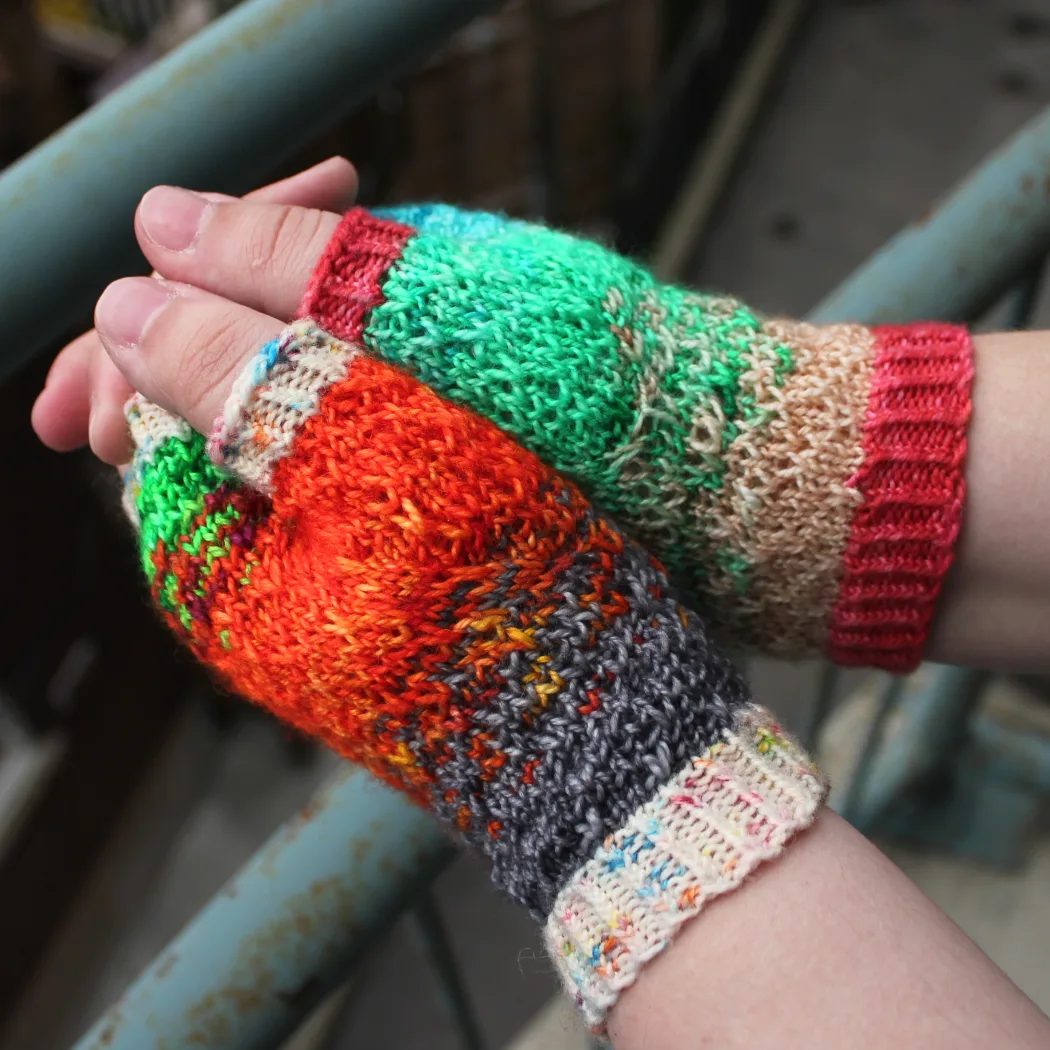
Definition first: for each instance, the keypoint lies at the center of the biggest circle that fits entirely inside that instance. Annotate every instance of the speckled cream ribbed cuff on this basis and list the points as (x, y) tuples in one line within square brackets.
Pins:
[(701, 836), (279, 388)]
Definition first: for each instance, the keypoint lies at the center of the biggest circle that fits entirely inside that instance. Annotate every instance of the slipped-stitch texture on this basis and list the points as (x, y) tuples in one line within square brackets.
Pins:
[(391, 573), (805, 482)]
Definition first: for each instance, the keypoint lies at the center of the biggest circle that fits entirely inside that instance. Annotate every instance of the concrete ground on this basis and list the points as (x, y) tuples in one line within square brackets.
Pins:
[(885, 104)]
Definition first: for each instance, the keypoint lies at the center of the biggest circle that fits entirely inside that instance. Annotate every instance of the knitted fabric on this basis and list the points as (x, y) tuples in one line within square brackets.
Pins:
[(704, 832), (804, 482), (394, 575)]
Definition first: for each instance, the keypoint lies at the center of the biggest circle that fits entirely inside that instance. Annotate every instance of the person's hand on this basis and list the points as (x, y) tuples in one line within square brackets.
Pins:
[(250, 265), (83, 399)]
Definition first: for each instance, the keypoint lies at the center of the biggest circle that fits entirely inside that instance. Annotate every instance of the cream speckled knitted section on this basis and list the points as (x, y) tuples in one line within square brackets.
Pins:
[(150, 427), (701, 836), (272, 397)]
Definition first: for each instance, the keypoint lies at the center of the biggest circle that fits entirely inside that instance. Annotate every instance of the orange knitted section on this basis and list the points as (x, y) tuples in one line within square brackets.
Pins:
[(351, 621)]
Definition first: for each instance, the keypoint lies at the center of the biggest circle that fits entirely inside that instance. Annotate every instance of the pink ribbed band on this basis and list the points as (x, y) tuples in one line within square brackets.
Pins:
[(903, 535)]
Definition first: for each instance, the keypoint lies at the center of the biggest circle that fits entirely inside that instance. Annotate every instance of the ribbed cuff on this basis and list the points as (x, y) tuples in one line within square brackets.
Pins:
[(348, 281), (902, 537), (274, 394), (710, 827), (150, 427)]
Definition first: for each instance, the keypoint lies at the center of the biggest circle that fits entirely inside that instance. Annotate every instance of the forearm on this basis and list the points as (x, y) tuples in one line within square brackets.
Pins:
[(832, 947), (834, 938), (995, 609)]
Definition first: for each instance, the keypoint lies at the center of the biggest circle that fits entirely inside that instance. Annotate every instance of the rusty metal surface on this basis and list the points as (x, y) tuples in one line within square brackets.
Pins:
[(218, 113), (285, 930), (958, 259)]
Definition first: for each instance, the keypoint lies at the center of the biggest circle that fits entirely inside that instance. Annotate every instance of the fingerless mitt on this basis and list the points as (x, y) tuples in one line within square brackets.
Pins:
[(804, 482), (391, 573)]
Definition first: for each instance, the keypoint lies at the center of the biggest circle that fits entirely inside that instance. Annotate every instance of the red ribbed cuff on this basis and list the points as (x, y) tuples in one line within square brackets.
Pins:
[(903, 536), (348, 281)]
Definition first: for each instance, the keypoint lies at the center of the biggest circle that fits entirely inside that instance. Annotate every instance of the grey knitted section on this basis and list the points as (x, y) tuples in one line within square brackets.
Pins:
[(640, 695)]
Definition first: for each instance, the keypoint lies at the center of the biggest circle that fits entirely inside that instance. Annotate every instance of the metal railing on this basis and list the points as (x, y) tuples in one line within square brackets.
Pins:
[(221, 112)]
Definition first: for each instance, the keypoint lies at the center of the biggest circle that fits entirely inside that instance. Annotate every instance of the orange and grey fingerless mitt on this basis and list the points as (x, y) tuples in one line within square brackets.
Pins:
[(803, 482), (391, 573)]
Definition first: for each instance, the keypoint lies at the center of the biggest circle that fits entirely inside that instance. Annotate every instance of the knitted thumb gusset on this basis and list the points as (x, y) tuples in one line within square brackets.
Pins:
[(805, 482), (392, 574)]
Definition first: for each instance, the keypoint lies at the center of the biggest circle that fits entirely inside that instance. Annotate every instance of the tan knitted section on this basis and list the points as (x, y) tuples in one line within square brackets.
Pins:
[(786, 507), (666, 516), (664, 510)]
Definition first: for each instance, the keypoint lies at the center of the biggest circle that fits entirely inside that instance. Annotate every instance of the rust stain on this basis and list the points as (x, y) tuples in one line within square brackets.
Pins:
[(359, 851), (108, 1035), (302, 819), (1027, 184), (320, 918), (281, 965), (309, 813)]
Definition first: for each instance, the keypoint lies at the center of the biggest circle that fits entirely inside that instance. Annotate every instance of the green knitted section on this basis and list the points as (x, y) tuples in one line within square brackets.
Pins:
[(175, 483), (472, 318), (633, 388)]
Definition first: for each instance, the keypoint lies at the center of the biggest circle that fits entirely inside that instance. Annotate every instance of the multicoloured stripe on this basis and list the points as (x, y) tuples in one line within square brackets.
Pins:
[(739, 449)]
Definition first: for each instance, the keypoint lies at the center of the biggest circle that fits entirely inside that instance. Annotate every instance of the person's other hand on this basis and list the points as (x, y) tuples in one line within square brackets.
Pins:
[(231, 272), (83, 399)]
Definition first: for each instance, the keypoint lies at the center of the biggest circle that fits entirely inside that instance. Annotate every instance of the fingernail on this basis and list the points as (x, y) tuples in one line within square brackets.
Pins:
[(172, 218), (128, 307)]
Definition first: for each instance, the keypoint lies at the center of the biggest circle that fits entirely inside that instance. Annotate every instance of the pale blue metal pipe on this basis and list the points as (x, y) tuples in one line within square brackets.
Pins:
[(285, 930), (957, 261), (218, 113)]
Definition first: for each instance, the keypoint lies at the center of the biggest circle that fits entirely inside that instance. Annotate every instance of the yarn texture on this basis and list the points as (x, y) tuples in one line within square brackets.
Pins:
[(803, 482), (391, 573)]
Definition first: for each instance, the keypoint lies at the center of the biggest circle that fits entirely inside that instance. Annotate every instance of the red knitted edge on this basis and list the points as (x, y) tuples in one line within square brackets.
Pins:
[(902, 539), (348, 281)]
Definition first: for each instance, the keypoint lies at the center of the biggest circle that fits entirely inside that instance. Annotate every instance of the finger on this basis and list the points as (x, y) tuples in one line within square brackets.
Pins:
[(62, 409), (260, 255), (329, 186), (107, 430), (177, 345), (83, 402), (63, 416)]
